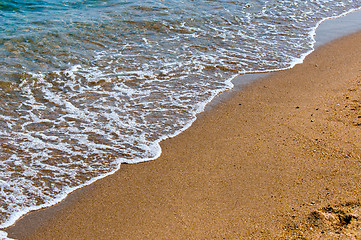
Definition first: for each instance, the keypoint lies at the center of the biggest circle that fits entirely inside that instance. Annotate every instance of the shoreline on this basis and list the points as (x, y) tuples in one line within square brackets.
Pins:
[(332, 28), (79, 197), (327, 31)]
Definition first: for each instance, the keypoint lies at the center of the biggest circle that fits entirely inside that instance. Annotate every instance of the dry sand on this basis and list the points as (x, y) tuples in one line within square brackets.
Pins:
[(281, 159)]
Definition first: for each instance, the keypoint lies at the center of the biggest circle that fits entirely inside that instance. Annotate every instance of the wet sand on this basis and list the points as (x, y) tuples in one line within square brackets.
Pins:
[(280, 159)]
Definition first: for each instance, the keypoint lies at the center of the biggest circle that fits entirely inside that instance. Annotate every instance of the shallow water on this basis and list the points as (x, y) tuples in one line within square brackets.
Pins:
[(86, 85)]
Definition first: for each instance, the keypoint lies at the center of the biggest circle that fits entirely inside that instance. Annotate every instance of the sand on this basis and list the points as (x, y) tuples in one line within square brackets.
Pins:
[(280, 159)]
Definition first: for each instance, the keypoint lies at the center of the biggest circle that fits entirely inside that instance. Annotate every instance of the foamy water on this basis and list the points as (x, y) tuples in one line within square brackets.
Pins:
[(87, 85)]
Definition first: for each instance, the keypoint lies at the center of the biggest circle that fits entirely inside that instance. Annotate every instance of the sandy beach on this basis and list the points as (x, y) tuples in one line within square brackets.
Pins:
[(280, 159)]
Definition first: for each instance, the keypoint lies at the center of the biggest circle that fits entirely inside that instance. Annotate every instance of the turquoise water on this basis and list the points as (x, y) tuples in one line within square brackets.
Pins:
[(87, 85)]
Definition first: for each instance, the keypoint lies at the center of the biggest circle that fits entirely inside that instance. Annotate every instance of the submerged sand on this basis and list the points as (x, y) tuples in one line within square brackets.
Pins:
[(280, 159)]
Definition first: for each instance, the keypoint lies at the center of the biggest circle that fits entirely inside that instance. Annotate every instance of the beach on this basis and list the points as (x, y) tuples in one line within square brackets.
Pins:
[(86, 87), (279, 159)]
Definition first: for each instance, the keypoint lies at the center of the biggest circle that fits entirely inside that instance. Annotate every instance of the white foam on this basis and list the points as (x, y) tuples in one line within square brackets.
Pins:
[(4, 236)]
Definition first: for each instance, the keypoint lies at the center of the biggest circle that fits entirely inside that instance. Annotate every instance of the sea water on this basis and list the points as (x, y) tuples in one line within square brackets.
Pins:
[(86, 85)]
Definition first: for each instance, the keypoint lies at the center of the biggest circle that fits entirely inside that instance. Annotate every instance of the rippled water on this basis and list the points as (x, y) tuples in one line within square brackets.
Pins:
[(88, 84)]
